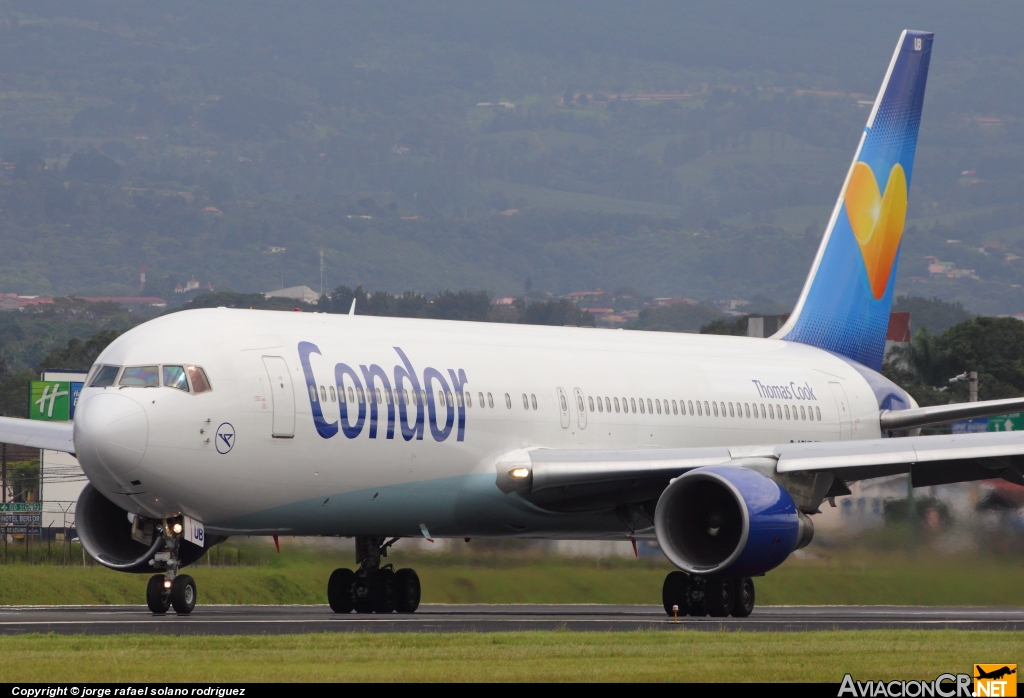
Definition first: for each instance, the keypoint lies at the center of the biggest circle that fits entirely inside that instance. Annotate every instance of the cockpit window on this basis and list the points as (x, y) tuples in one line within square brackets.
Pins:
[(197, 375), (174, 377), (105, 377), (140, 377)]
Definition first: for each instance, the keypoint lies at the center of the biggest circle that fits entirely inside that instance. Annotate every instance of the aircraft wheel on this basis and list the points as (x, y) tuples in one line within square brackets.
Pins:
[(183, 594), (673, 592), (339, 590), (696, 601), (157, 597), (366, 591), (407, 586), (387, 591), (743, 592), (719, 597)]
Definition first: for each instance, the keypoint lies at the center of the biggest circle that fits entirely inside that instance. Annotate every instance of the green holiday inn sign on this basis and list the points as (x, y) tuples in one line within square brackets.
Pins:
[(50, 400)]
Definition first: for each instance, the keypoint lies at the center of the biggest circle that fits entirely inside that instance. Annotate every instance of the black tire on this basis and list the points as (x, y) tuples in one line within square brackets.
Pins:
[(157, 597), (743, 593), (366, 591), (339, 590), (183, 594), (407, 586), (673, 592), (719, 597), (696, 601), (387, 589)]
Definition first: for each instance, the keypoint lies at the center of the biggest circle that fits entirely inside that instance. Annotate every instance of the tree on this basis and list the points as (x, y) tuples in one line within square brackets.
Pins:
[(93, 166), (78, 354)]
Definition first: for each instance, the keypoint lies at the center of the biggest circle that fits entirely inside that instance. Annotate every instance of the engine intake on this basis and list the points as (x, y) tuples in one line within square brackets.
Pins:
[(728, 521), (106, 534)]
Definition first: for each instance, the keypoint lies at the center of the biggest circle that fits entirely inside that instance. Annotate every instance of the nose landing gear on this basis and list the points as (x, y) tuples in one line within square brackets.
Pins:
[(373, 588), (172, 589), (697, 596)]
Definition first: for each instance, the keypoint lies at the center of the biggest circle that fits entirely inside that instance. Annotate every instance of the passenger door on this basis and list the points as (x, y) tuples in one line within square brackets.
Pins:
[(843, 408), (563, 407), (581, 408), (282, 396)]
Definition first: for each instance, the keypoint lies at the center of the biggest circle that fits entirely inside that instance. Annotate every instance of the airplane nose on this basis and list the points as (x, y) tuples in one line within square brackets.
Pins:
[(111, 431)]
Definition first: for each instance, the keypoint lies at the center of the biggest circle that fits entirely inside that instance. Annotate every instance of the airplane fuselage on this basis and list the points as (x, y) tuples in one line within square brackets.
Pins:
[(294, 439)]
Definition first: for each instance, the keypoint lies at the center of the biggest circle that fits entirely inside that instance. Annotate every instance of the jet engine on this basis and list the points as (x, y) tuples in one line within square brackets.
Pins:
[(728, 521), (105, 530)]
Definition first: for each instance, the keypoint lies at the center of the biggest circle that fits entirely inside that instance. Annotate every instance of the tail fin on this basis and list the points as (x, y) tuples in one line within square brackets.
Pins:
[(845, 303)]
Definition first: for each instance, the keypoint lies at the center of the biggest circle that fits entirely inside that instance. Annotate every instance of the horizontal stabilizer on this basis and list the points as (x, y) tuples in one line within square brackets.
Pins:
[(54, 436), (944, 414)]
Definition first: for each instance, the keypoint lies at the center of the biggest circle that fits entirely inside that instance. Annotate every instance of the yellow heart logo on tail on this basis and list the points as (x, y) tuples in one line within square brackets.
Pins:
[(877, 220)]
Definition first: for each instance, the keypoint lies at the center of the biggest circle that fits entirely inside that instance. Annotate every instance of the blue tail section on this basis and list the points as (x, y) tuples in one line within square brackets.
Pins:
[(845, 303)]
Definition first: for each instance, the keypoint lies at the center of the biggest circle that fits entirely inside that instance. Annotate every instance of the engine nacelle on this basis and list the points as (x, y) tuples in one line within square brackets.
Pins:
[(106, 533), (728, 521)]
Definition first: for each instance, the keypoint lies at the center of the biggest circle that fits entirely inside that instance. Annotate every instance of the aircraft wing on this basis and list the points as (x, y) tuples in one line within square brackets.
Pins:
[(553, 476), (55, 436)]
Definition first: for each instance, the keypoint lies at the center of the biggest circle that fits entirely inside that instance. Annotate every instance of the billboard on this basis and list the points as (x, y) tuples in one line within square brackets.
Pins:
[(53, 400)]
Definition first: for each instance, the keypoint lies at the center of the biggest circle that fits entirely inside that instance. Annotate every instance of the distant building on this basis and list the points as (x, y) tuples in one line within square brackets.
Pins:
[(213, 210), (273, 250), (577, 296), (298, 293), (659, 302), (765, 325), (507, 300)]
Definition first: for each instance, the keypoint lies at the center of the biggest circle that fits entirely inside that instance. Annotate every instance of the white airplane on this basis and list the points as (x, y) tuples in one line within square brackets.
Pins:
[(205, 424)]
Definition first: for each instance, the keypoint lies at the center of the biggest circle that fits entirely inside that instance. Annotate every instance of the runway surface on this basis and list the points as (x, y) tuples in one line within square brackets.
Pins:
[(244, 620)]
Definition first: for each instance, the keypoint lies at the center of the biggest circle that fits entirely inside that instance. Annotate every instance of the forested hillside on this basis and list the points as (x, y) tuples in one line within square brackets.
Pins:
[(232, 142)]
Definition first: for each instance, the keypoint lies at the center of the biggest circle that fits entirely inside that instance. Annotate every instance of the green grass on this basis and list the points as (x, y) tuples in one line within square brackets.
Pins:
[(526, 656), (300, 576)]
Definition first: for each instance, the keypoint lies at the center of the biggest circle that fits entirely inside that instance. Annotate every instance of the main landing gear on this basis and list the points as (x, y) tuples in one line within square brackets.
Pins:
[(372, 588), (699, 596), (171, 589)]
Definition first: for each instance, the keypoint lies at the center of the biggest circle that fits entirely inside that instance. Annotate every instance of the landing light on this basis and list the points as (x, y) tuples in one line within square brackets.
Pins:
[(519, 473), (167, 584), (177, 528)]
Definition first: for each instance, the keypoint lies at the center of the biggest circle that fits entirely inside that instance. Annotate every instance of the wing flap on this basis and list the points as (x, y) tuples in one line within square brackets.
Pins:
[(54, 436)]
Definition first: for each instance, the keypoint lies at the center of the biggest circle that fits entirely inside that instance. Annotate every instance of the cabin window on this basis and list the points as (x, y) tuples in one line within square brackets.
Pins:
[(746, 410), (508, 401), (405, 397), (778, 411), (105, 377), (174, 377), (700, 412), (440, 398), (771, 412), (469, 399), (817, 411), (360, 396), (590, 401), (579, 403), (707, 409), (140, 377), (533, 401), (675, 407), (632, 402), (480, 399), (351, 395), (723, 408), (312, 393), (387, 397), (600, 405), (380, 398), (332, 393), (787, 412), (715, 406), (642, 406), (607, 405), (526, 402), (657, 404), (197, 377), (565, 405), (451, 402), (616, 405), (690, 402), (323, 394), (803, 414), (490, 400)]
